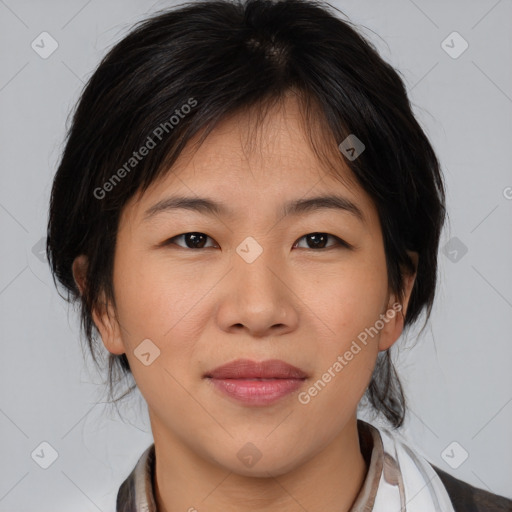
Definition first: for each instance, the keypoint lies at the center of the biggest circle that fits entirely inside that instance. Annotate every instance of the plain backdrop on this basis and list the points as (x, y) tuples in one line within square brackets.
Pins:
[(457, 375)]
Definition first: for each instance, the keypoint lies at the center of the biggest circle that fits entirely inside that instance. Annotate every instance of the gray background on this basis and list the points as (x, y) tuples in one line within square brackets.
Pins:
[(457, 376)]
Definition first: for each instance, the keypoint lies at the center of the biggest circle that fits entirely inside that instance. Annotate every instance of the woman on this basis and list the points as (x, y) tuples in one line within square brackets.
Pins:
[(250, 215)]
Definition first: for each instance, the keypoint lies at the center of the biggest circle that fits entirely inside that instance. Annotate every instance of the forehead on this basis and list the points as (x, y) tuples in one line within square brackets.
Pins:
[(255, 161), (271, 142)]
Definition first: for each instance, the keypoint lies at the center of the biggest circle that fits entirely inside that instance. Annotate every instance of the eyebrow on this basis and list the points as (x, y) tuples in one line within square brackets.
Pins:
[(292, 208)]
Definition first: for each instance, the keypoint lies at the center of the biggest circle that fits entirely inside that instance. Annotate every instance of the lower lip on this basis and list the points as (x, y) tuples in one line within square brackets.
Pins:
[(257, 392)]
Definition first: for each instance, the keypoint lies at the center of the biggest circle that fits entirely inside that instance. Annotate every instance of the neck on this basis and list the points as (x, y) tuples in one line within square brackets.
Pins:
[(329, 481)]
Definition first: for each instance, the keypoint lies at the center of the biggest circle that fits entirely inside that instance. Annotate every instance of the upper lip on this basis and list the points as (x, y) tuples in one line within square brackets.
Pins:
[(247, 369)]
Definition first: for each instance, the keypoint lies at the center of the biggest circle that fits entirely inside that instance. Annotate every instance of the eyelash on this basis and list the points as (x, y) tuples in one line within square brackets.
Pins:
[(340, 243)]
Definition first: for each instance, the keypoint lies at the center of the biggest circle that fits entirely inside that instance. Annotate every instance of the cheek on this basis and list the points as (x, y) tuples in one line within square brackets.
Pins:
[(157, 305), (347, 348), (153, 296), (164, 304), (347, 306), (349, 300)]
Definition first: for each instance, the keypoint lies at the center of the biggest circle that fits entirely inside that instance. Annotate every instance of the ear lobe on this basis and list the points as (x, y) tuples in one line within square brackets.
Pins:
[(106, 322), (103, 315), (79, 270), (409, 279), (395, 325)]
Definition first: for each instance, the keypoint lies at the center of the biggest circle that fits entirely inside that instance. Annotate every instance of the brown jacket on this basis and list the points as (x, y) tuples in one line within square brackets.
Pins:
[(466, 498)]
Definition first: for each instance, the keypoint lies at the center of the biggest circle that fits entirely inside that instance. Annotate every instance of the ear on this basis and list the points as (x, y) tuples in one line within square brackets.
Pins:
[(396, 311), (103, 314), (79, 270)]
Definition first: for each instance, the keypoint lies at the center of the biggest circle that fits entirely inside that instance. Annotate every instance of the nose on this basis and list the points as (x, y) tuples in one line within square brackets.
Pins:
[(259, 298)]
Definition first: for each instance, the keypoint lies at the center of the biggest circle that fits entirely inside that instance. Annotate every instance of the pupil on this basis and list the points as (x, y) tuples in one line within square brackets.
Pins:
[(194, 237), (317, 236)]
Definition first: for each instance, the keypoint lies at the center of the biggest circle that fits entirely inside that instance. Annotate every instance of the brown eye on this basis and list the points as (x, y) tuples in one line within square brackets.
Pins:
[(192, 240), (315, 241), (319, 241)]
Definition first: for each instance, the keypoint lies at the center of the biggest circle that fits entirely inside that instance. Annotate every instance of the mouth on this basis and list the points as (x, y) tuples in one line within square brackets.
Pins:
[(256, 383)]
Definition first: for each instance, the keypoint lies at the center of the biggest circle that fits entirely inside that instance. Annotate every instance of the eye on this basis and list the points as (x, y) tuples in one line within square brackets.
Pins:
[(196, 240), (318, 241), (193, 240)]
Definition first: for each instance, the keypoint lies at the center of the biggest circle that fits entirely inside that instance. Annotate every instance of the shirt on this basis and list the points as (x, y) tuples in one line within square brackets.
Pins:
[(136, 493)]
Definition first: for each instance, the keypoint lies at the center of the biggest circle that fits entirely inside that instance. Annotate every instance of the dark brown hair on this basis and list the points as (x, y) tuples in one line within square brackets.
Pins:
[(222, 57)]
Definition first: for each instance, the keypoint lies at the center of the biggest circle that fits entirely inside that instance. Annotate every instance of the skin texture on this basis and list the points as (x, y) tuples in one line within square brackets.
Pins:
[(208, 306)]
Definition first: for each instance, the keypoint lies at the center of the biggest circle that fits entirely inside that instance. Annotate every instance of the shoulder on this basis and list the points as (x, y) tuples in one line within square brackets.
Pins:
[(466, 498)]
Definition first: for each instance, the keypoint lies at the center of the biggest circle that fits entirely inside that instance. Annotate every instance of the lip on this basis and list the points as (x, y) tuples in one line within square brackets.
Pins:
[(247, 369), (257, 383)]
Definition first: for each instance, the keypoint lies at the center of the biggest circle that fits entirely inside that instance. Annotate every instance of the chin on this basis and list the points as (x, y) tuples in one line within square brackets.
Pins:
[(249, 461)]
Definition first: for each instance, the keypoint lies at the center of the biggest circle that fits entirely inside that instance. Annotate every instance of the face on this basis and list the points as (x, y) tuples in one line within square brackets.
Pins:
[(197, 289)]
